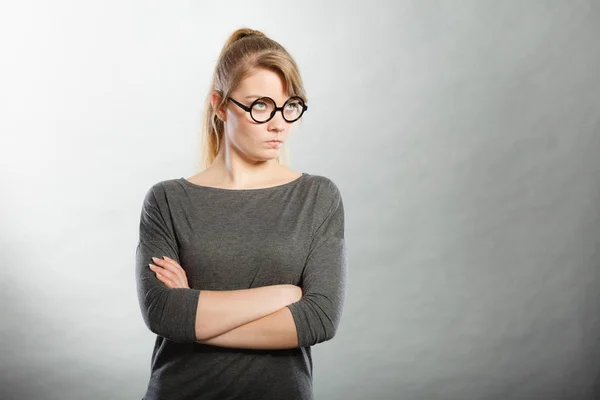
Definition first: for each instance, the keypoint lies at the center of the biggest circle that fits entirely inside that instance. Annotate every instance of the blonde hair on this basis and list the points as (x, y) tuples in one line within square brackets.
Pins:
[(243, 51)]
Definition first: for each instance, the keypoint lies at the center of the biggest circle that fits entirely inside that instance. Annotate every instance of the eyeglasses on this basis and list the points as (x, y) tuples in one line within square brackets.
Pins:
[(263, 109)]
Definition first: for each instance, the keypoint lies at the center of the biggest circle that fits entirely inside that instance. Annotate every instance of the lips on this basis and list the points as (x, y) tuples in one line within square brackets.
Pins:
[(275, 144)]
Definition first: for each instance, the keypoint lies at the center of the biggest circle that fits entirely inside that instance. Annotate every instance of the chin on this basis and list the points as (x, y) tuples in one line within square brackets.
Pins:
[(266, 156)]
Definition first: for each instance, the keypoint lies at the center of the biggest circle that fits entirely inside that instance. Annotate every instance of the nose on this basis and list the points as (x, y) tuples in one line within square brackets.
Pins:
[(277, 123)]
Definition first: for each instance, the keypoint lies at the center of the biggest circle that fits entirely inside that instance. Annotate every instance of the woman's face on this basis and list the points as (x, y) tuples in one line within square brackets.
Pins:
[(243, 133)]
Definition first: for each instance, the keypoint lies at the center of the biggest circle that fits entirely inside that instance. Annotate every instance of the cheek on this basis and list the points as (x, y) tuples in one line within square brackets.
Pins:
[(233, 121), (245, 132), (241, 123)]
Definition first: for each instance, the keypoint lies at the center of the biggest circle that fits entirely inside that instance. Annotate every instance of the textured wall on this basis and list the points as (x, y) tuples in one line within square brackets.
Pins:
[(463, 135)]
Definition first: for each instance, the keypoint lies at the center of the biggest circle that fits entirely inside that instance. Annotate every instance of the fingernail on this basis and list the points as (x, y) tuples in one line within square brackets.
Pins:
[(154, 259), (166, 258)]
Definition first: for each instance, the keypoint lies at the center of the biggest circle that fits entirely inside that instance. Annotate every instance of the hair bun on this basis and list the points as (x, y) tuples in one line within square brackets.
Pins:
[(247, 32), (240, 34)]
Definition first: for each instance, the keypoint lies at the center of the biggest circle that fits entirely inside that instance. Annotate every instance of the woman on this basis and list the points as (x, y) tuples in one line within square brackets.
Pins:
[(241, 268)]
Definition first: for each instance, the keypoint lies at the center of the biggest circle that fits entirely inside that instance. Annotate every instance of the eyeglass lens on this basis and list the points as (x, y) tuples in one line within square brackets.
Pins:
[(263, 109)]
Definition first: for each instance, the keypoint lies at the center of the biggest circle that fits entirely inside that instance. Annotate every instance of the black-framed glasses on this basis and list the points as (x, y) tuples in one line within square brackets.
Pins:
[(263, 109)]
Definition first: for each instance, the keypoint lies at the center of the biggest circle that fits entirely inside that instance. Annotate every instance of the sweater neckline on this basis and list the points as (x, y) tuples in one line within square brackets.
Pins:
[(265, 189)]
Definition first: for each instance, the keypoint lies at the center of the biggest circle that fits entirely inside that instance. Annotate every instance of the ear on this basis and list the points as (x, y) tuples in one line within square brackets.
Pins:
[(215, 98)]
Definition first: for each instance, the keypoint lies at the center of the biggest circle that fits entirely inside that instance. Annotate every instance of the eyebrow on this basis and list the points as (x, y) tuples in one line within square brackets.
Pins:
[(255, 96)]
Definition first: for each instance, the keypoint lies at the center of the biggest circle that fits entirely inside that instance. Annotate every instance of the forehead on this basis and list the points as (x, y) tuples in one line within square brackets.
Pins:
[(262, 82)]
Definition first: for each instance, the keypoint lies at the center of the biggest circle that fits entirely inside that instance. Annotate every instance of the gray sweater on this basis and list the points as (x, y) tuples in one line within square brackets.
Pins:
[(230, 239)]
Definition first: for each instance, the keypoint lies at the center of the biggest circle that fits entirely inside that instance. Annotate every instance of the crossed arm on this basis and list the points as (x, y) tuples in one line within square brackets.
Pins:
[(257, 318), (274, 331)]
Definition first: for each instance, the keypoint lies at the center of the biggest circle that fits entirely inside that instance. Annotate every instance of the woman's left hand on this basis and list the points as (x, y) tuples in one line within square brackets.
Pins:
[(169, 272)]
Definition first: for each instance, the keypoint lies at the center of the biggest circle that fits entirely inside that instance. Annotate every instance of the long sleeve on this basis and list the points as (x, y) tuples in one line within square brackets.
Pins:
[(170, 313), (317, 315)]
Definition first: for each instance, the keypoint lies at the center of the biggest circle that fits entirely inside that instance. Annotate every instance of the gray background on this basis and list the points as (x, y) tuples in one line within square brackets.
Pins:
[(463, 135)]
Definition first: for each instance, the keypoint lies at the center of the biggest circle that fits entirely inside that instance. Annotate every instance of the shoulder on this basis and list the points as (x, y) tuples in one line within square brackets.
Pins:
[(327, 208), (324, 184), (324, 191), (157, 193), (165, 185)]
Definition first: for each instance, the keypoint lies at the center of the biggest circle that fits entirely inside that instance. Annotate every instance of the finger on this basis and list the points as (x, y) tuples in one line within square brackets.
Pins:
[(162, 271), (170, 260), (169, 265), (168, 274), (174, 273), (175, 280), (164, 280), (164, 264)]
